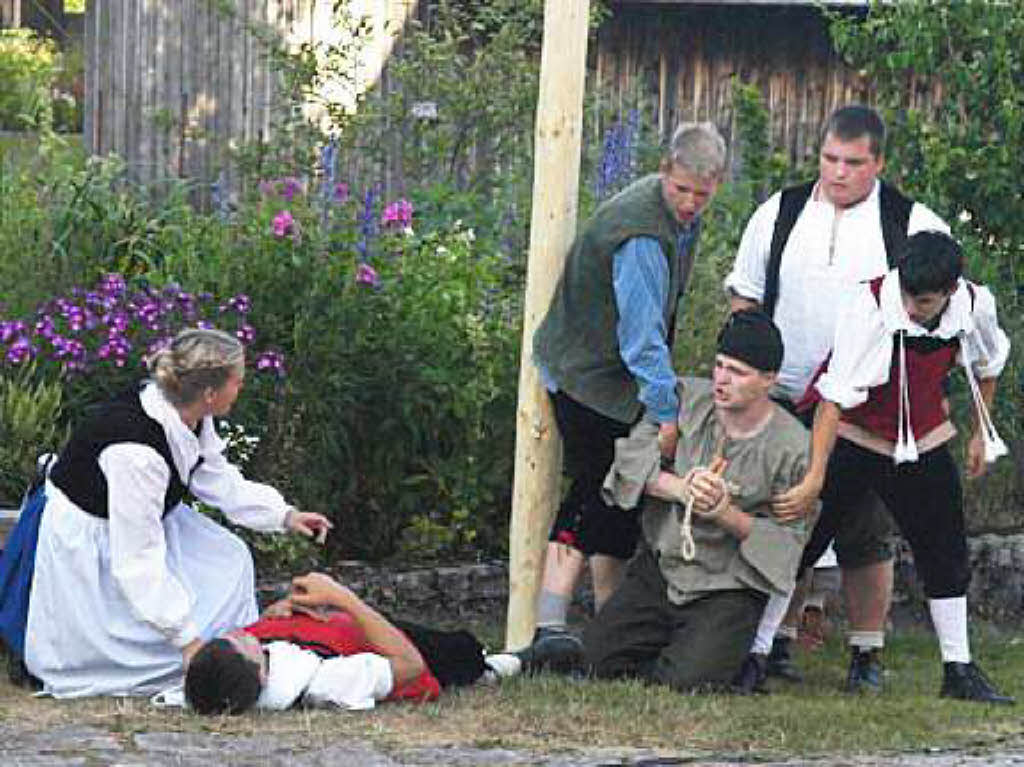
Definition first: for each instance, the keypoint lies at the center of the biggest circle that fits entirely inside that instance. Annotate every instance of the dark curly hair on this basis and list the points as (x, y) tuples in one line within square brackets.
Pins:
[(220, 680), (931, 263)]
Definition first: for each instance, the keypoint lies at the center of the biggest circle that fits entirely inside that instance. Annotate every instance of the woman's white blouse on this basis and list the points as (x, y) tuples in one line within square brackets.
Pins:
[(137, 479)]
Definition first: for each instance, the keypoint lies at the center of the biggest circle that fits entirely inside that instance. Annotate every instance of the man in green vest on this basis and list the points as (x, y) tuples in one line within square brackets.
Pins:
[(604, 354)]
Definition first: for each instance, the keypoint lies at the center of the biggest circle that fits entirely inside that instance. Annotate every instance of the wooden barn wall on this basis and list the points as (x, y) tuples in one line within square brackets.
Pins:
[(677, 64), (10, 14), (171, 87)]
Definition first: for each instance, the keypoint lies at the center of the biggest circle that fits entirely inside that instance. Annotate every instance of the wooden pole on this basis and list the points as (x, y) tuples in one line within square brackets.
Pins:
[(556, 172)]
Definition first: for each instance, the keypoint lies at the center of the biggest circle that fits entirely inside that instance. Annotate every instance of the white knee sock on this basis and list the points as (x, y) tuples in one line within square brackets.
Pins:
[(866, 640), (552, 609), (772, 616), (949, 617)]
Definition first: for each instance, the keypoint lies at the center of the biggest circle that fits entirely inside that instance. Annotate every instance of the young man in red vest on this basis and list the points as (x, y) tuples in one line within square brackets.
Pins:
[(350, 657), (882, 418)]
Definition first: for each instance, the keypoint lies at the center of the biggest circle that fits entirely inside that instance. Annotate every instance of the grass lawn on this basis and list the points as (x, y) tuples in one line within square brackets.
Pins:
[(551, 714)]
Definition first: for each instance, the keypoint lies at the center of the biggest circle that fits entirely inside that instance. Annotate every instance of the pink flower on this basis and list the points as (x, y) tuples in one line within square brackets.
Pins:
[(367, 275), (340, 191), (290, 187), (399, 213), (283, 224)]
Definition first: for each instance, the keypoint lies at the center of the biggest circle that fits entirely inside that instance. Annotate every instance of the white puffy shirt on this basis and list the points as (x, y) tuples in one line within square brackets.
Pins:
[(353, 682), (862, 354), (814, 283)]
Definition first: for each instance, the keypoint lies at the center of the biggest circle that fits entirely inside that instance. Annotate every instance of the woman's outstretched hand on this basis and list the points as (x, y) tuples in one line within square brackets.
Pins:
[(308, 524)]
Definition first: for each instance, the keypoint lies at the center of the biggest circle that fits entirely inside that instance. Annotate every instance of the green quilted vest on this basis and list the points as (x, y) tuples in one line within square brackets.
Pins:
[(576, 341)]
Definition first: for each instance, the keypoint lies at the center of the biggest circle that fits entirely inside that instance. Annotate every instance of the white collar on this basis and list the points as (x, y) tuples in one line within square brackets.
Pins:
[(956, 318), (185, 446)]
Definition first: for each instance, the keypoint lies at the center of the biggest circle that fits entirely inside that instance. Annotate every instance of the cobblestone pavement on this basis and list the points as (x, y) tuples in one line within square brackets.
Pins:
[(93, 747)]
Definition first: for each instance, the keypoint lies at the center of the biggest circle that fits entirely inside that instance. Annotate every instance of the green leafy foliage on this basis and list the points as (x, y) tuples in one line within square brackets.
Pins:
[(27, 67), (41, 84), (412, 416), (29, 414)]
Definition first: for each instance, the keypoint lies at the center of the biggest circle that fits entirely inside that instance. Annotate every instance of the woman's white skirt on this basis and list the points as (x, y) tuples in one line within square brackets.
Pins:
[(82, 637)]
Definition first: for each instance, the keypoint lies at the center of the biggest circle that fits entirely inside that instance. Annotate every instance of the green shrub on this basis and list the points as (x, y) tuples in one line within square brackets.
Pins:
[(399, 421), (42, 86), (28, 65), (29, 416)]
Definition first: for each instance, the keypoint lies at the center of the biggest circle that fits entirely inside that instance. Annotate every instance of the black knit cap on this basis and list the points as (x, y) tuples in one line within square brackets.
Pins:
[(750, 336)]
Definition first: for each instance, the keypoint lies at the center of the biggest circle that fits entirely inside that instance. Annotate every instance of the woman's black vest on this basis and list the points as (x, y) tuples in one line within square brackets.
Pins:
[(121, 420)]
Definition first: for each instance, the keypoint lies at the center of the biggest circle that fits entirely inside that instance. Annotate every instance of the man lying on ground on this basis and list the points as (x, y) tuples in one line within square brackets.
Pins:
[(323, 646)]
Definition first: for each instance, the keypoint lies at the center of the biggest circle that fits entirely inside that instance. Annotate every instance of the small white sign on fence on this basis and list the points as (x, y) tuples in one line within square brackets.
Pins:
[(425, 110)]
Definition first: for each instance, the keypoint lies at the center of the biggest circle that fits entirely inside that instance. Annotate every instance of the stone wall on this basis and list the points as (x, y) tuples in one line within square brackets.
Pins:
[(997, 578), (429, 594), (452, 592), (460, 591), (8, 517)]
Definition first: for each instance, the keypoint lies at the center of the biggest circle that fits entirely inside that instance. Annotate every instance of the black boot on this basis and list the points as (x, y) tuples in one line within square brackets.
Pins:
[(865, 674), (780, 662), (552, 649), (752, 675), (966, 681)]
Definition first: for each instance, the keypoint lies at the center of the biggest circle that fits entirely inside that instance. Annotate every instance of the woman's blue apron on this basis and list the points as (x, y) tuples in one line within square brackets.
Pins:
[(17, 562)]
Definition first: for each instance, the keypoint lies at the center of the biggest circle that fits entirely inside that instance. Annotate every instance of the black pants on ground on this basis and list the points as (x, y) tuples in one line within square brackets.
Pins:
[(925, 498), (588, 449), (456, 658), (640, 633), (863, 535)]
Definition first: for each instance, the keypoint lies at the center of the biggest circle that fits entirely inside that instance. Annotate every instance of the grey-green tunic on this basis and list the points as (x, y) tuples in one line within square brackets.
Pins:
[(759, 467)]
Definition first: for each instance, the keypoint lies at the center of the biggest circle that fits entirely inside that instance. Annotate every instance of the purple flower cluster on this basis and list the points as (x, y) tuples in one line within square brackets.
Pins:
[(367, 222), (113, 327), (286, 188), (272, 362), (283, 224), (367, 275), (618, 155)]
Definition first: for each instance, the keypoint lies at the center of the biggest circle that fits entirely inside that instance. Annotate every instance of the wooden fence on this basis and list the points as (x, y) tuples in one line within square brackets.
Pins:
[(677, 62), (174, 87), (10, 13)]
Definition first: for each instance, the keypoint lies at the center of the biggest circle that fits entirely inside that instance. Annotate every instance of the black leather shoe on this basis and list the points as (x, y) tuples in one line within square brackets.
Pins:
[(752, 675), (780, 662), (552, 649), (966, 681), (865, 674)]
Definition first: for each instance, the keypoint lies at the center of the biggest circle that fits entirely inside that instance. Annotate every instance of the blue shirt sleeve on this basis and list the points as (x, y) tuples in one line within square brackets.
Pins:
[(641, 281)]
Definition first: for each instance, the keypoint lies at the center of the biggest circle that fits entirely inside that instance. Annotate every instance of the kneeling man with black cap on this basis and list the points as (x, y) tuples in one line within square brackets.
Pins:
[(712, 550)]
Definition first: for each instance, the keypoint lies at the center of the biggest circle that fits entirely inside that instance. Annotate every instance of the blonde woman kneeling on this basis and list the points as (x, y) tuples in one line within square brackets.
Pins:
[(128, 580)]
